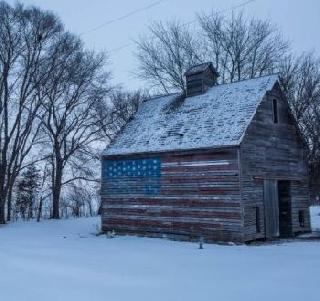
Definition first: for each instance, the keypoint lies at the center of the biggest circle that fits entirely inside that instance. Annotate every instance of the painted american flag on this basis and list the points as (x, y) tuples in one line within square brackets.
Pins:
[(121, 176)]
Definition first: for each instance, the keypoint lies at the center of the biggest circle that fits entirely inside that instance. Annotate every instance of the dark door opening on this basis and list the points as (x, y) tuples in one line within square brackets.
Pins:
[(285, 223)]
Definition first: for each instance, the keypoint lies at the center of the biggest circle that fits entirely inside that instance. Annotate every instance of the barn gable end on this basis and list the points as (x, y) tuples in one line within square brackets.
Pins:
[(273, 153)]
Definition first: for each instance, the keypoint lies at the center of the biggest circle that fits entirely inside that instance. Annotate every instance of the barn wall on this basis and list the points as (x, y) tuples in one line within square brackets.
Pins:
[(272, 151), (183, 195)]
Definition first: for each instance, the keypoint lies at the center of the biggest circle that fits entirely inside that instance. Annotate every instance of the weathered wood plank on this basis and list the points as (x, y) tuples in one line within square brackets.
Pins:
[(272, 151), (198, 196)]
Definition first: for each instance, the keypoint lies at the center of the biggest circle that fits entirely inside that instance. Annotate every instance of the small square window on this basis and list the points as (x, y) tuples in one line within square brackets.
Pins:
[(275, 111)]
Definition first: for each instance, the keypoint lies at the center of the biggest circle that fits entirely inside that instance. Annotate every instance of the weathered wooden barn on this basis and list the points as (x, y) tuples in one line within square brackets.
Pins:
[(225, 163)]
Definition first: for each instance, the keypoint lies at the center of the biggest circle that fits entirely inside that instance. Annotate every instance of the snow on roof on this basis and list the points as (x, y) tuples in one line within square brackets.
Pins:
[(199, 68), (216, 118)]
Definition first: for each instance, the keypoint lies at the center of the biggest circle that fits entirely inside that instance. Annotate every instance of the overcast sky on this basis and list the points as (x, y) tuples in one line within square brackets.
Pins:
[(299, 20)]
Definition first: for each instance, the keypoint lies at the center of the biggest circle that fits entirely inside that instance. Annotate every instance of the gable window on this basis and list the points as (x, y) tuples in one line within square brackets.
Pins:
[(275, 111)]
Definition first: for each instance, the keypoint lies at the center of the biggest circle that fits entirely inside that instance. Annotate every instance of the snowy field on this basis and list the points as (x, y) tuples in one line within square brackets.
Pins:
[(64, 260)]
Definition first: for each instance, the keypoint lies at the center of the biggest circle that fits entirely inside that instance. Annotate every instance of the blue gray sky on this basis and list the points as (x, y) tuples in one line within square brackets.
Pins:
[(299, 20)]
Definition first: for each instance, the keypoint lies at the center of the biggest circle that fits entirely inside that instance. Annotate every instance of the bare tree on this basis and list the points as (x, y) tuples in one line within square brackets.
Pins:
[(25, 35), (165, 54), (300, 80), (240, 48), (50, 92), (79, 201), (116, 111), (71, 95), (43, 190), (123, 107)]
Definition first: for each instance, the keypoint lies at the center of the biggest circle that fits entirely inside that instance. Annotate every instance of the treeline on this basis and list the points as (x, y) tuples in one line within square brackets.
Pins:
[(240, 48), (56, 107)]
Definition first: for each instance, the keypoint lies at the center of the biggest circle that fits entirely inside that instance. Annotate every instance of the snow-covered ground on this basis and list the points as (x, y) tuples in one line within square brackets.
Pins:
[(63, 260)]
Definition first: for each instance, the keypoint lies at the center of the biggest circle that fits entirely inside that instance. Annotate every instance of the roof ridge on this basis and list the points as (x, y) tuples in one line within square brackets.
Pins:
[(247, 79), (218, 85)]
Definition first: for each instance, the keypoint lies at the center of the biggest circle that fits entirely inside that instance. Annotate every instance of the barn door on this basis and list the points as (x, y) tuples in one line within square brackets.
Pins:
[(271, 208)]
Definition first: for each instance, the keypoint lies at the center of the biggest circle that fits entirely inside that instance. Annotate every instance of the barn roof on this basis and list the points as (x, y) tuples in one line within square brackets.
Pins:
[(216, 118)]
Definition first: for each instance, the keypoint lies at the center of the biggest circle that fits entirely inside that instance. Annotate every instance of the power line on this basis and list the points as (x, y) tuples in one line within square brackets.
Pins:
[(136, 11), (222, 11), (115, 50)]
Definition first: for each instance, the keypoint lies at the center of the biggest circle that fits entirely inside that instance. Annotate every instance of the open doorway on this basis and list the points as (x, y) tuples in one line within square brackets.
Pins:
[(284, 196), (277, 208)]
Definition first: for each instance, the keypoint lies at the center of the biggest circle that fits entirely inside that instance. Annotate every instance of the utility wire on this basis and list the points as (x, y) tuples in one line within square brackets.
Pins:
[(136, 11), (117, 49), (222, 11)]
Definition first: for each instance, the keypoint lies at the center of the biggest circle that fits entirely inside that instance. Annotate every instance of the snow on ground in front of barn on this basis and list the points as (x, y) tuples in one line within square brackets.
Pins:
[(63, 260)]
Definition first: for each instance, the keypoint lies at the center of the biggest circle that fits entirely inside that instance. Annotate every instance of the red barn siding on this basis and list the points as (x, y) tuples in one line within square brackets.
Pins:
[(217, 194), (199, 196)]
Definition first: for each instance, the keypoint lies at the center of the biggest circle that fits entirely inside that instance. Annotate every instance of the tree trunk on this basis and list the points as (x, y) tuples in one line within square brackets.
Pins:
[(2, 212), (30, 211), (57, 191), (90, 208), (56, 202), (40, 210), (3, 199), (9, 207)]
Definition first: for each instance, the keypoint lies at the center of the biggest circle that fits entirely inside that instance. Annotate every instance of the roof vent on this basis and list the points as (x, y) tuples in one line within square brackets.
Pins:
[(200, 77)]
